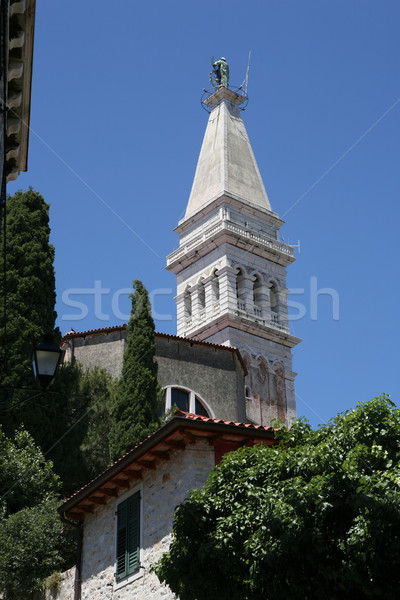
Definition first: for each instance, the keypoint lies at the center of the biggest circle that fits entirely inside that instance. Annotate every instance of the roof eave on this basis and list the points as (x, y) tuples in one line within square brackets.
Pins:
[(177, 422)]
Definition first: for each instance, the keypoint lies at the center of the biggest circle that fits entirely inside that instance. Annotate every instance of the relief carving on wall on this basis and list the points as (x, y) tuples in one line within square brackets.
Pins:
[(262, 369)]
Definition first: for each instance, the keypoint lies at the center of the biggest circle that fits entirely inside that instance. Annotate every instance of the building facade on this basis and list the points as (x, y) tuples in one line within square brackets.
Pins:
[(126, 513), (17, 23), (198, 377)]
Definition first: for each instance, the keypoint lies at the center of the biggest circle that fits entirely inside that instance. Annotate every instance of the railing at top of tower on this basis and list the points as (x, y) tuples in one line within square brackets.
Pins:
[(256, 315), (274, 245), (237, 90)]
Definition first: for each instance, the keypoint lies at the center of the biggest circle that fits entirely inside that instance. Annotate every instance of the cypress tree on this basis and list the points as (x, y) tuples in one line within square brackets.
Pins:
[(80, 424), (27, 298), (136, 405), (99, 388)]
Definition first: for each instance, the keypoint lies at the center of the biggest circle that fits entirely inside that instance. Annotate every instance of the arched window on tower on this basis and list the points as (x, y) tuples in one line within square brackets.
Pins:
[(187, 305), (240, 291), (214, 297), (257, 296), (274, 302), (202, 299), (215, 287)]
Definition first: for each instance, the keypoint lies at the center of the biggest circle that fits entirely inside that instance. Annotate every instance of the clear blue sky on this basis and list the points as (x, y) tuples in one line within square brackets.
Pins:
[(116, 131)]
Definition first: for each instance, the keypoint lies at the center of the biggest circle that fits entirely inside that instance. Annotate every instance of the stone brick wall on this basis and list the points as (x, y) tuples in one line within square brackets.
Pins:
[(65, 589), (162, 490)]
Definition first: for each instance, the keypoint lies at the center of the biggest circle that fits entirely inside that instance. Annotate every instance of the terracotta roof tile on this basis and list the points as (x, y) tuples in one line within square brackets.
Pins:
[(194, 417), (74, 334), (179, 413)]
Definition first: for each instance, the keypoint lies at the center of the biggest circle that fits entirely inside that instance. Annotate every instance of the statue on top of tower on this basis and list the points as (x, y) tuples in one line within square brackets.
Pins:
[(219, 76)]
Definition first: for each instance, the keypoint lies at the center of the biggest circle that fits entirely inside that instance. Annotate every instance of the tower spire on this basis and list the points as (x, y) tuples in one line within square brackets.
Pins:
[(226, 163)]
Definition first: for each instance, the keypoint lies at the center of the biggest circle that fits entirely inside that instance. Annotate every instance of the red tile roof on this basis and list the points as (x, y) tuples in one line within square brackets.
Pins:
[(182, 422), (194, 417), (73, 334), (190, 417)]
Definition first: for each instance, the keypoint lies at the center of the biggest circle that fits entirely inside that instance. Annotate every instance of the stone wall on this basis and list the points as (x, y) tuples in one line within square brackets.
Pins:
[(65, 587), (215, 374), (105, 350), (162, 490)]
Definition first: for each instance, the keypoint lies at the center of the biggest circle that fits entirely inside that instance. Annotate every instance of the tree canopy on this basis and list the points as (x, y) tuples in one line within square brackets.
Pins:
[(33, 541), (98, 387), (68, 423), (26, 478), (27, 299), (136, 405), (316, 516)]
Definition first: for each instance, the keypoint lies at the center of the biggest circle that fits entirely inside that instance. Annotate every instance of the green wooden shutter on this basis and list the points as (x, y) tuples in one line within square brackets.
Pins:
[(128, 536), (122, 526), (133, 533)]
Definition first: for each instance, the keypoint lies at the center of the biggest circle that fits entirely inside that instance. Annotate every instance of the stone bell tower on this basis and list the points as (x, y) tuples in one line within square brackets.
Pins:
[(231, 266)]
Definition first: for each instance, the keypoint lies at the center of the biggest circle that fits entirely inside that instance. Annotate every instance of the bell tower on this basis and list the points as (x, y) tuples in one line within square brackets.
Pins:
[(231, 265)]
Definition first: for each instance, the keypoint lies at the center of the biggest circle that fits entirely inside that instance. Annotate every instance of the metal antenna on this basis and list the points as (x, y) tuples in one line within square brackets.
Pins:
[(246, 79), (295, 245), (291, 245)]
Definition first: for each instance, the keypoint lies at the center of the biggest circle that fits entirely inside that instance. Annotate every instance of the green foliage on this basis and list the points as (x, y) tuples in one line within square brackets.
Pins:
[(80, 411), (33, 541), (25, 476), (28, 281), (316, 516), (99, 389), (135, 410), (67, 423), (53, 583), (32, 545)]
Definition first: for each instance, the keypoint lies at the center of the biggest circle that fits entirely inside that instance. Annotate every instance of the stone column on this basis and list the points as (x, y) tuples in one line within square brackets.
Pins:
[(227, 289), (196, 308), (263, 300), (180, 314), (248, 295), (210, 297), (281, 294)]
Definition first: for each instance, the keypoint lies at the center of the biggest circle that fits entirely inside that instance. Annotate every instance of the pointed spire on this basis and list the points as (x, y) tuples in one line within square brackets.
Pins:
[(226, 163)]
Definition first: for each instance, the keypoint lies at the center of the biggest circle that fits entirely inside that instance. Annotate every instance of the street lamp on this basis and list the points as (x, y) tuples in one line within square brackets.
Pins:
[(47, 357)]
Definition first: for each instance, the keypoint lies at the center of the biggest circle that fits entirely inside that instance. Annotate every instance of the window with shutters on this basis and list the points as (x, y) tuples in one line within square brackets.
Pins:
[(128, 537)]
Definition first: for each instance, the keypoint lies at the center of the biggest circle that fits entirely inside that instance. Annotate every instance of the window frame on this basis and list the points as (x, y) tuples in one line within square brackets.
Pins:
[(137, 573), (192, 399)]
